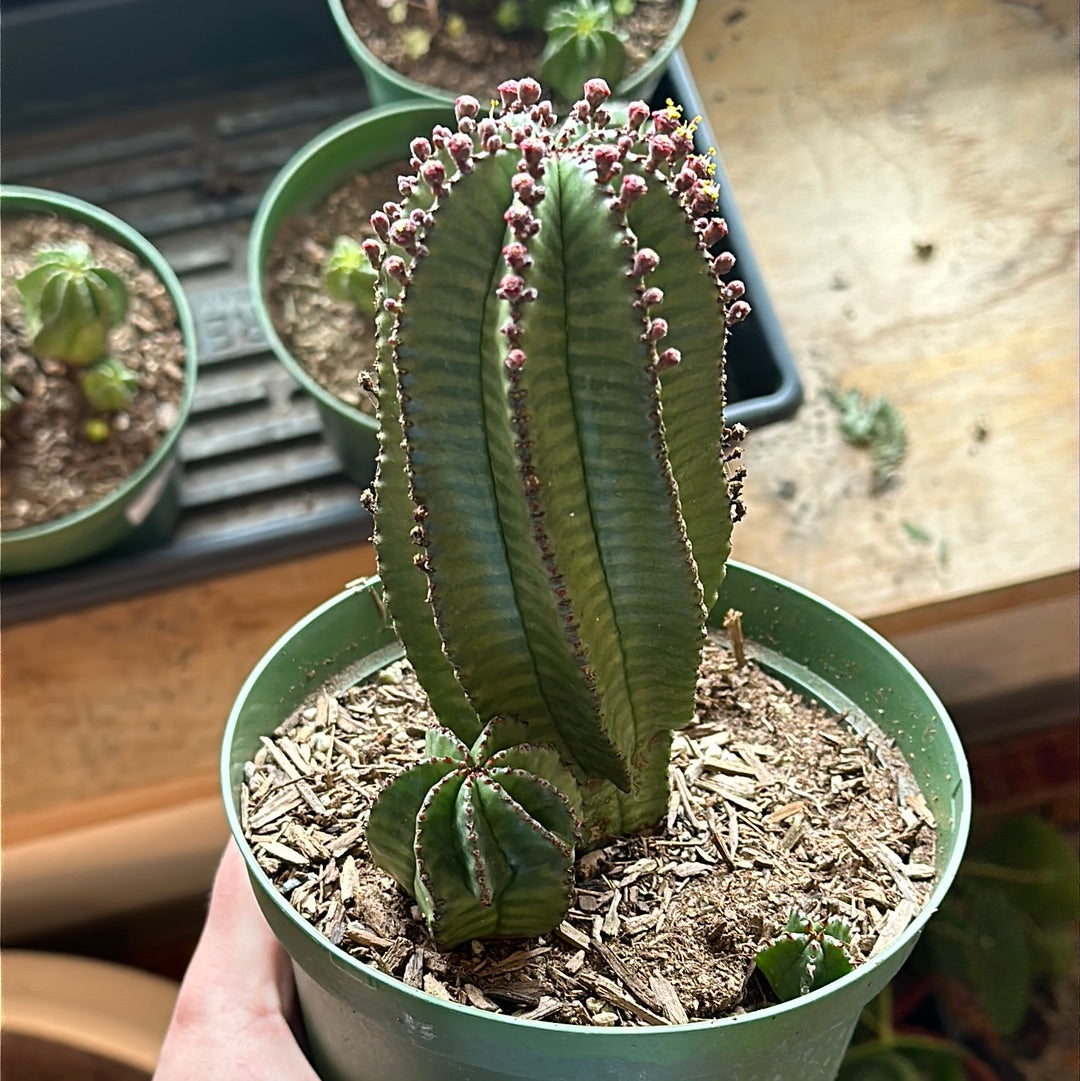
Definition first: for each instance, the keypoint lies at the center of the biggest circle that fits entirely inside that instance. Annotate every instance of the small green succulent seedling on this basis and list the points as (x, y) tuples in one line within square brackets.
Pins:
[(806, 956), (71, 304), (582, 37), (108, 385), (555, 485), (349, 276)]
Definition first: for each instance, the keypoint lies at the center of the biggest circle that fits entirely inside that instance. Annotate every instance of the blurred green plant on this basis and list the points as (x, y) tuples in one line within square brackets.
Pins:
[(876, 424), (1008, 924), (1009, 920)]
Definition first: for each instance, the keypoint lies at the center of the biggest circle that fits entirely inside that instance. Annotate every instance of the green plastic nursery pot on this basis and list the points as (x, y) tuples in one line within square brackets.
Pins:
[(366, 1026), (384, 84), (358, 144), (149, 497)]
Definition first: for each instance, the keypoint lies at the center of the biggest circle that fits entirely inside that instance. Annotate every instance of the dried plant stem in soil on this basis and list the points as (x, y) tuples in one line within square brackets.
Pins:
[(774, 804)]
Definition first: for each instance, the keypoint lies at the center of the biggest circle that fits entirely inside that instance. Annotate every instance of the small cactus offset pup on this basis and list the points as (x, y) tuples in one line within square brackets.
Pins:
[(349, 276), (71, 306), (555, 487), (805, 956)]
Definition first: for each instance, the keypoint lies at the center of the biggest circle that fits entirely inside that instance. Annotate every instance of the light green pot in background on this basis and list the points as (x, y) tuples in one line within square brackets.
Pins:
[(384, 84), (152, 492)]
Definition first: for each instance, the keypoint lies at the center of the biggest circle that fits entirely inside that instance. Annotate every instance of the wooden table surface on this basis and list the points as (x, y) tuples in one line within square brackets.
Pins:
[(907, 173)]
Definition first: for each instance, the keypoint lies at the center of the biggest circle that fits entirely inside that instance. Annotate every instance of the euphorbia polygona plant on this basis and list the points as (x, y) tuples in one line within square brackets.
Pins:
[(555, 488)]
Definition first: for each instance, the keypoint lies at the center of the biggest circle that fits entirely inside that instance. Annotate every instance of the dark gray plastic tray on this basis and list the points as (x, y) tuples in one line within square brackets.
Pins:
[(223, 101)]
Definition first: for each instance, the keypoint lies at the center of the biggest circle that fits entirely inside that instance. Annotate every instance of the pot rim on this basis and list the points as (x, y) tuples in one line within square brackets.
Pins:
[(961, 802)]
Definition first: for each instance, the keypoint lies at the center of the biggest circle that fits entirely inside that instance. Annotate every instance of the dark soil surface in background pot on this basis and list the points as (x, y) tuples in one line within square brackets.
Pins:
[(329, 338), (775, 805), (485, 57), (50, 468)]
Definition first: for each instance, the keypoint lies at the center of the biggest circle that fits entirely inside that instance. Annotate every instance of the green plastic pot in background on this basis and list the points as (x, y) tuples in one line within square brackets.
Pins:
[(366, 1026), (384, 84), (149, 497), (358, 144)]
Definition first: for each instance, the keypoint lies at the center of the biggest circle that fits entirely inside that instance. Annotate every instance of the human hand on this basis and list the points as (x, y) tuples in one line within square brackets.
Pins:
[(232, 1013)]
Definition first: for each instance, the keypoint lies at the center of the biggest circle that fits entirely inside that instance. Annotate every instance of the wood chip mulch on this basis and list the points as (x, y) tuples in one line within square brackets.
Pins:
[(774, 804)]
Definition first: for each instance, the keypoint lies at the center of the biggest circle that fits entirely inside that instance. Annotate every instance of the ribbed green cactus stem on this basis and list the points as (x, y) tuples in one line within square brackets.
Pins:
[(482, 837), (71, 304), (551, 332)]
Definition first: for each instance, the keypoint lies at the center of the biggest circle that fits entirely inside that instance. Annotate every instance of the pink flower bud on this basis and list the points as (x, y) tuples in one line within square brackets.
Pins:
[(665, 121), (633, 188), (734, 290), (509, 93), (668, 359), (529, 91), (373, 250), (703, 199), (434, 174), (737, 312), (394, 267), (381, 224), (645, 261), (596, 92), (656, 330), (637, 113), (466, 105), (510, 287), (651, 297), (440, 135), (713, 231), (532, 152), (685, 179), (723, 263), (517, 256), (606, 159), (421, 149), (460, 149), (515, 360), (521, 221)]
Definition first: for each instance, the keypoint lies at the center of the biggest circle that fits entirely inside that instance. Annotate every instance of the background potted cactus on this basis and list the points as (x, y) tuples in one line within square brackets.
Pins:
[(425, 49), (553, 510), (98, 376)]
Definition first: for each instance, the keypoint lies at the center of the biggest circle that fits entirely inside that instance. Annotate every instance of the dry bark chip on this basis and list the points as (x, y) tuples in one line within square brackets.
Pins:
[(662, 928)]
